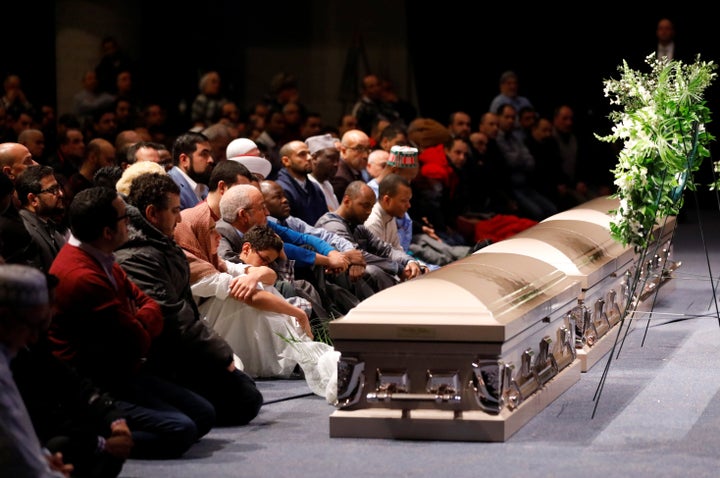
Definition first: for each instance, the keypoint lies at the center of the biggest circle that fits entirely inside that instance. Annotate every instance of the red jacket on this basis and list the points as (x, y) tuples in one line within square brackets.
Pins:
[(103, 331), (434, 164)]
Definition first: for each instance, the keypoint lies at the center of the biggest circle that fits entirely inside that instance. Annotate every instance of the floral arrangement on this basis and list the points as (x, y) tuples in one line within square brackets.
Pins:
[(662, 127)]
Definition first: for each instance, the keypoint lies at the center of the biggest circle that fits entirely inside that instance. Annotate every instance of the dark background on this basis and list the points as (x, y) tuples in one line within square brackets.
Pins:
[(457, 52)]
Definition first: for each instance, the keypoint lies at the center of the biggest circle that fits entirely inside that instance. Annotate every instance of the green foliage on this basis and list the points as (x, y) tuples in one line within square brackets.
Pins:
[(662, 128)]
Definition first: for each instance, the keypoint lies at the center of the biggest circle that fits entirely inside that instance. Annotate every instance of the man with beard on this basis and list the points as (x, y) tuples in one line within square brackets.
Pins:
[(41, 202), (306, 200), (193, 163), (187, 352)]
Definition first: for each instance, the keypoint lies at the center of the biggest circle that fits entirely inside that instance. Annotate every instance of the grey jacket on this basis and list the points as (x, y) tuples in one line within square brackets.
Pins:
[(376, 251)]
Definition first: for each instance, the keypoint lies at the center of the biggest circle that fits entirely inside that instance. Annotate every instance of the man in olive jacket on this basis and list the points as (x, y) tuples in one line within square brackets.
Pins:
[(188, 351)]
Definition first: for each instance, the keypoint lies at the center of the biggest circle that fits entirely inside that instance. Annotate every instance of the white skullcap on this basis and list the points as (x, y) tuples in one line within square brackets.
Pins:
[(316, 143), (255, 164), (241, 147), (22, 286), (246, 152)]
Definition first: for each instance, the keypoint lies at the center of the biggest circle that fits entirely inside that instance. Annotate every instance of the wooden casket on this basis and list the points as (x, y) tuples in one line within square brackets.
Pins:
[(475, 349), (614, 283), (469, 352)]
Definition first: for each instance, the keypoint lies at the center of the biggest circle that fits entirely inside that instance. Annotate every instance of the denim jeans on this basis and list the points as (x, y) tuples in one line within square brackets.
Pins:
[(165, 418)]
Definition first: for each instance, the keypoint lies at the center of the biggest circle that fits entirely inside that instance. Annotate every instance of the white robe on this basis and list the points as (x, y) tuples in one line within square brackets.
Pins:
[(259, 338)]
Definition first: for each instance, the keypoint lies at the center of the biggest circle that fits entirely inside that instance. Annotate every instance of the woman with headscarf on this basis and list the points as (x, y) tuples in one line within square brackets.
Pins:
[(260, 325)]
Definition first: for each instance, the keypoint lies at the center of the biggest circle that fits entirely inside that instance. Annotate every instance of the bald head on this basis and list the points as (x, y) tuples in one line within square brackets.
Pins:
[(127, 137), (14, 159), (357, 202), (354, 136)]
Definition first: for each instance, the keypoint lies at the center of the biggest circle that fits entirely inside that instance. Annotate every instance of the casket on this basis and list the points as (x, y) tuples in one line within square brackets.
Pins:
[(469, 352), (475, 349), (615, 279)]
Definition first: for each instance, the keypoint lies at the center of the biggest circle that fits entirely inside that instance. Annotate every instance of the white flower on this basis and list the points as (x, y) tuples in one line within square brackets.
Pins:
[(662, 126)]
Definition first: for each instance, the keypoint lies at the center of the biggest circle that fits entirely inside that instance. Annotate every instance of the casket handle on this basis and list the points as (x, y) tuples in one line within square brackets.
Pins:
[(414, 397)]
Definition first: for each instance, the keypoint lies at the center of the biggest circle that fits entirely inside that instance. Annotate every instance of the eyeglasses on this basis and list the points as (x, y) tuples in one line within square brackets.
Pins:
[(54, 190), (360, 149), (264, 259)]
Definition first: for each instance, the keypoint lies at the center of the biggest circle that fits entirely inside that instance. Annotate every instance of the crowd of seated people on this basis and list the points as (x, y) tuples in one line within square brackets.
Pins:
[(183, 263)]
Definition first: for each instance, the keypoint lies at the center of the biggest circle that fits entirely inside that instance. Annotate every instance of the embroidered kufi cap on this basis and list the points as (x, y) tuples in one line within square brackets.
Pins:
[(403, 157)]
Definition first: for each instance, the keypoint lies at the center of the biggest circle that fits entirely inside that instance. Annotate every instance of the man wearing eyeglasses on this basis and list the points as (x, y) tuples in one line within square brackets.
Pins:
[(41, 201), (105, 327), (354, 152)]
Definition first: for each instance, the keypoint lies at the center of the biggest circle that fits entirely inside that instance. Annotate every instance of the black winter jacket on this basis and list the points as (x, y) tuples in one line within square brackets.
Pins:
[(159, 267)]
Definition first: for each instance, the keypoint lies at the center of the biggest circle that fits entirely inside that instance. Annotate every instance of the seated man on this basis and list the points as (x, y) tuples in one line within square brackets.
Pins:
[(24, 310), (386, 266), (187, 351), (193, 163), (306, 199), (262, 245), (241, 210), (325, 158), (414, 235), (394, 194), (335, 299), (104, 326), (71, 416), (41, 201)]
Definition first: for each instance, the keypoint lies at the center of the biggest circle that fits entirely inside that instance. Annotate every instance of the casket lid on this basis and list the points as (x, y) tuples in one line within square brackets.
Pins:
[(576, 241), (480, 298)]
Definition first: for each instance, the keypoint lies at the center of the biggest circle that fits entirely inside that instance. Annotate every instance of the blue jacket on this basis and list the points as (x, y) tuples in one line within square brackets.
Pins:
[(188, 198), (308, 204), (295, 243)]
